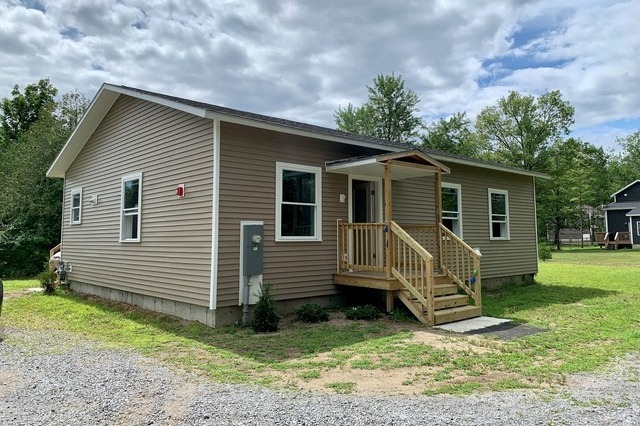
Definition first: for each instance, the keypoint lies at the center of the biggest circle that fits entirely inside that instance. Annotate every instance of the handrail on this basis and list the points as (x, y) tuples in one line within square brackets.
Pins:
[(462, 264), (54, 250), (360, 246), (412, 265)]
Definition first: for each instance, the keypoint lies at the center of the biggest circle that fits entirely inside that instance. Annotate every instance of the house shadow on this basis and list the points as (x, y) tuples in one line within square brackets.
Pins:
[(294, 340), (513, 298)]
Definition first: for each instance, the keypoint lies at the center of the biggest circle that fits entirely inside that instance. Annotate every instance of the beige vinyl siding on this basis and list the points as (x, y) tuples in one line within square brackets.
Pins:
[(247, 192), (413, 201), (500, 258), (168, 147)]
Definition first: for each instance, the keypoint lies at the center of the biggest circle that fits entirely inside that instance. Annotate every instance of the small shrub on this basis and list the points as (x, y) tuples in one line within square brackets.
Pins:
[(400, 315), (311, 313), (364, 312), (265, 316), (48, 281), (544, 252)]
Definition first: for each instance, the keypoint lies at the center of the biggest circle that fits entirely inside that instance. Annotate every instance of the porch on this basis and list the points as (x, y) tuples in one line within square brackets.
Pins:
[(427, 267)]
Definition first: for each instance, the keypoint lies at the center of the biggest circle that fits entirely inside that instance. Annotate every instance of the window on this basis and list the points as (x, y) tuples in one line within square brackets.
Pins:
[(131, 200), (638, 228), (298, 203), (452, 208), (76, 206), (498, 214)]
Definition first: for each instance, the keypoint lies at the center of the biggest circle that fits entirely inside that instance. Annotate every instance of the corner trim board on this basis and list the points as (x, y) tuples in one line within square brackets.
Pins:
[(215, 215)]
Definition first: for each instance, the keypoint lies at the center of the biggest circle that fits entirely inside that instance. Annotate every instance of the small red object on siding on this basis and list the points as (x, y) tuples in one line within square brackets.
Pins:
[(180, 190)]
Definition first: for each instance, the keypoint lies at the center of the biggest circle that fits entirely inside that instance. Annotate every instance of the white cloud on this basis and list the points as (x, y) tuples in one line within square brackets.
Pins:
[(301, 60)]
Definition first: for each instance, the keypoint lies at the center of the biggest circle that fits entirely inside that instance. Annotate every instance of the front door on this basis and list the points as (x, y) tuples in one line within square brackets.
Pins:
[(363, 194), (366, 241)]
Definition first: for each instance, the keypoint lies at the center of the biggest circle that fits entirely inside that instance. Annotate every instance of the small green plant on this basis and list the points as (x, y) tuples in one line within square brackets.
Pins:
[(364, 312), (342, 387), (265, 316), (48, 281), (311, 313), (544, 252)]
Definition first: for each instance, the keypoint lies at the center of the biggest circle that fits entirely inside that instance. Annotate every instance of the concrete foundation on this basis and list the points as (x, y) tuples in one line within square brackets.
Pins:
[(170, 307), (233, 314), (221, 316), (496, 283)]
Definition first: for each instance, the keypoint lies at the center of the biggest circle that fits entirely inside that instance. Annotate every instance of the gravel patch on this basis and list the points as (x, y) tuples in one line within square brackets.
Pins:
[(56, 379)]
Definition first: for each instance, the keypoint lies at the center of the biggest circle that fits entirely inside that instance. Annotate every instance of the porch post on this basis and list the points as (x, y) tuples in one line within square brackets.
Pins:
[(387, 218), (438, 198)]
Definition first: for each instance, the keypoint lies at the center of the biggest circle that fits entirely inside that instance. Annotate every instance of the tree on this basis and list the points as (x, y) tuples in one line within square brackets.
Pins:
[(521, 128), (578, 173), (30, 203), (388, 114), (454, 135), (625, 166), (23, 109)]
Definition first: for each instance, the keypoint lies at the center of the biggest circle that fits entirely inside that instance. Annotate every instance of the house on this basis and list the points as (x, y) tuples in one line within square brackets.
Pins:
[(622, 218), (180, 206)]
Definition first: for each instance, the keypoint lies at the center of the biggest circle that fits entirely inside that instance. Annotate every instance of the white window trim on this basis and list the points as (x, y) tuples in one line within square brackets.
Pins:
[(637, 227), (75, 191), (280, 167), (506, 202), (459, 191), (124, 179)]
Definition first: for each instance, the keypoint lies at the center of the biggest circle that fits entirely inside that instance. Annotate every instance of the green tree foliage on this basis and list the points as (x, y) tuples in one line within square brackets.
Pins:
[(454, 135), (389, 113), (625, 166), (30, 203), (23, 109), (578, 173), (521, 128)]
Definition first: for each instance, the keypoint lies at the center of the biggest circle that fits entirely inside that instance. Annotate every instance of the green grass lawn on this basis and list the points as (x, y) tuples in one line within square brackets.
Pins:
[(587, 300)]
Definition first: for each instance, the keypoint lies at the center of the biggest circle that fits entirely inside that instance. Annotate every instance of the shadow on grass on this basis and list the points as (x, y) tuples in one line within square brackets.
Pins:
[(513, 298), (293, 341)]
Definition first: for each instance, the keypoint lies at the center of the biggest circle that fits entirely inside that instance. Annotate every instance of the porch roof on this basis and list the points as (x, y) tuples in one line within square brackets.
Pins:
[(407, 164)]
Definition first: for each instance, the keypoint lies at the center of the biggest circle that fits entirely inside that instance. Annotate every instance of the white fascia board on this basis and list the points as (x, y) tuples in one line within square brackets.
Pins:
[(200, 112), (350, 164), (299, 132), (497, 167), (619, 191), (96, 111)]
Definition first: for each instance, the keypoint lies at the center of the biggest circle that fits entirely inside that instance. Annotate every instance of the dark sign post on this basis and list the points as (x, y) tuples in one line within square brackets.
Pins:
[(1, 296)]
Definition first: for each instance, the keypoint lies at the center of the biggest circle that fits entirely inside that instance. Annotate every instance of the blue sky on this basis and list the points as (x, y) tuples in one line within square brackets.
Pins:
[(302, 59)]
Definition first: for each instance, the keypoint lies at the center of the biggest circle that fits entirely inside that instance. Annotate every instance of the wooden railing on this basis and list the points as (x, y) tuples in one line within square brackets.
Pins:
[(54, 251), (427, 237), (461, 263), (412, 265), (361, 246)]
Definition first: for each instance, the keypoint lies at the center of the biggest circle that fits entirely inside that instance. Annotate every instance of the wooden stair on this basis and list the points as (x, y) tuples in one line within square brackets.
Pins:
[(449, 306)]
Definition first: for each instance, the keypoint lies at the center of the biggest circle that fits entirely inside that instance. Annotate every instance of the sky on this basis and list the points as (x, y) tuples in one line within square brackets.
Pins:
[(301, 60)]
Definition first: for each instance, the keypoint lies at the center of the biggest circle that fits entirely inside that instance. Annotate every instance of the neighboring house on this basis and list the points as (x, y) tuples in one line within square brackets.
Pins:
[(623, 216), (160, 191)]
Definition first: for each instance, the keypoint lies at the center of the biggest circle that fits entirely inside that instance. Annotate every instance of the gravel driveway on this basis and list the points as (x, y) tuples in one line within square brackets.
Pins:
[(56, 379)]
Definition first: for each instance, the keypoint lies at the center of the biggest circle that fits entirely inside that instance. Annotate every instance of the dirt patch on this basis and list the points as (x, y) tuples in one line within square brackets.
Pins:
[(399, 380)]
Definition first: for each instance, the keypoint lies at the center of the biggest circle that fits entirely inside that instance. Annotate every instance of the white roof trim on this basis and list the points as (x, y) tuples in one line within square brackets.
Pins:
[(298, 132), (498, 167), (631, 184)]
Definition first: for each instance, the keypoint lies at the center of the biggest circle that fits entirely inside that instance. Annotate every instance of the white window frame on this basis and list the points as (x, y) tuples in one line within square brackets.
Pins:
[(124, 179), (74, 192), (458, 189), (317, 235), (507, 235), (638, 228)]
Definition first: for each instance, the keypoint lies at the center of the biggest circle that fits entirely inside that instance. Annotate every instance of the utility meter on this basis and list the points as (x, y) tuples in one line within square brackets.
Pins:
[(252, 249)]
